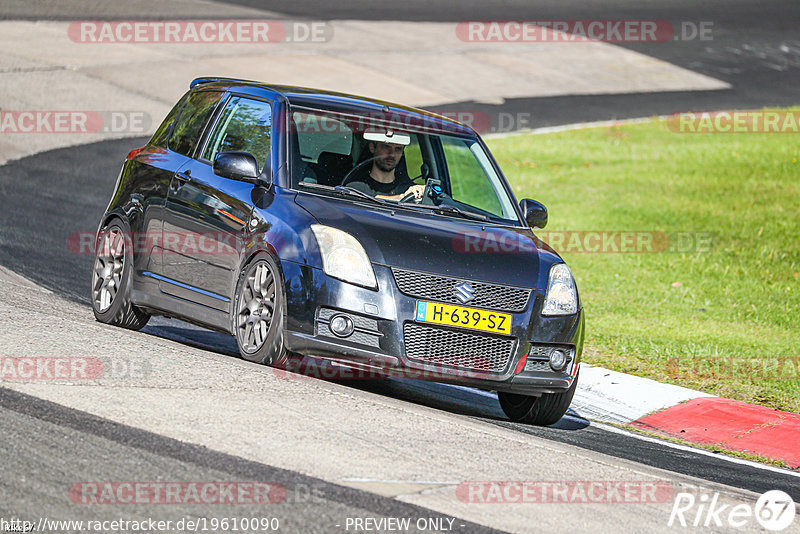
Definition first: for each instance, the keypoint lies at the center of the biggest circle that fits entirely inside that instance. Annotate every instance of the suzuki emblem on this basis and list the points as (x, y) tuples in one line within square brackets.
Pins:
[(464, 292)]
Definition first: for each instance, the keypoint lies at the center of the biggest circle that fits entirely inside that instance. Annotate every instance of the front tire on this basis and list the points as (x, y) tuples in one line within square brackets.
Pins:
[(545, 410), (111, 280), (259, 313)]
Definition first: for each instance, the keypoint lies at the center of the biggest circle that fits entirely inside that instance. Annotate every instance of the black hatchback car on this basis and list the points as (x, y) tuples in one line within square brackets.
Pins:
[(327, 227)]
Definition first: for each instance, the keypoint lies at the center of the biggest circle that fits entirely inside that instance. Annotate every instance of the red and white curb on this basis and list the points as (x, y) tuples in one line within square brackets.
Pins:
[(673, 411), (613, 397)]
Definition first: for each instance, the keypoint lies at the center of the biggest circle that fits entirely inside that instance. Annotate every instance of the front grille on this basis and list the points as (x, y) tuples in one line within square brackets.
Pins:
[(463, 350), (442, 288)]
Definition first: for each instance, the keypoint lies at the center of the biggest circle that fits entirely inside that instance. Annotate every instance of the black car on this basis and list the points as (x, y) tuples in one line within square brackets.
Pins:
[(318, 226)]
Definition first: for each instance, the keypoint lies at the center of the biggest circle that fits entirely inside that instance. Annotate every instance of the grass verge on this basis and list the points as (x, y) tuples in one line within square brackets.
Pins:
[(716, 305)]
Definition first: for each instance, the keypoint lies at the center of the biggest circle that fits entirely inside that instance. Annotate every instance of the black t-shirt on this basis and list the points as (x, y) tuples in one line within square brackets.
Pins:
[(364, 182)]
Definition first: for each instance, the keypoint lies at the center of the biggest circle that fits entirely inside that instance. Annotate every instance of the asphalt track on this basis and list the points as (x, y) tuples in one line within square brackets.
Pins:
[(111, 451), (48, 197), (754, 46), (70, 188)]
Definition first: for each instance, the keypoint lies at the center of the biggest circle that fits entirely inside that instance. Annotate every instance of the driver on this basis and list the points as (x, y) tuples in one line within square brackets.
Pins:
[(380, 179)]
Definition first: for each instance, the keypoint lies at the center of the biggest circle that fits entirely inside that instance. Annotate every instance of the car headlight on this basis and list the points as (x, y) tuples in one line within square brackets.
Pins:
[(562, 297), (343, 257)]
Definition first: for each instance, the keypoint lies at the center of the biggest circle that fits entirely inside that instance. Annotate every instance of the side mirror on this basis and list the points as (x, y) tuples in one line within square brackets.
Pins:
[(236, 166), (534, 212)]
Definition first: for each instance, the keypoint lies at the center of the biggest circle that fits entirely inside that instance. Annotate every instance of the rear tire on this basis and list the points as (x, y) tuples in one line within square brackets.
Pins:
[(545, 410), (111, 280)]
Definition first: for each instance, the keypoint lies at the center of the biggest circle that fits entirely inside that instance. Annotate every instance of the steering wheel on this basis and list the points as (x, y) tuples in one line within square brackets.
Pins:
[(352, 171), (409, 197), (432, 191)]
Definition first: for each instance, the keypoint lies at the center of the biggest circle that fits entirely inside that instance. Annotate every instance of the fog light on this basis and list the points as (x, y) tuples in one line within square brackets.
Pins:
[(341, 325), (558, 360)]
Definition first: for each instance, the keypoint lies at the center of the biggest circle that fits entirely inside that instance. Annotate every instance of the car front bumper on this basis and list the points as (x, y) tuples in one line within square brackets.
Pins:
[(381, 319)]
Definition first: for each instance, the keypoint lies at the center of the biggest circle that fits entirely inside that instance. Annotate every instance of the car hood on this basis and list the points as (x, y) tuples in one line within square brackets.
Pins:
[(437, 244)]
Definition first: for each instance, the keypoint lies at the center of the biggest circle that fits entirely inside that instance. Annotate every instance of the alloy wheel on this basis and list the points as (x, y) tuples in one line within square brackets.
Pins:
[(256, 306), (109, 264)]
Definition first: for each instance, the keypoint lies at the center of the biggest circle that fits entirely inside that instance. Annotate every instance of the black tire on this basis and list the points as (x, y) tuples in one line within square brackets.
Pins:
[(265, 347), (116, 309), (545, 410)]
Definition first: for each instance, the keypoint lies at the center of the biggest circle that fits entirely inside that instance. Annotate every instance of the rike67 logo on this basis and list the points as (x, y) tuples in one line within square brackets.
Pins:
[(774, 511)]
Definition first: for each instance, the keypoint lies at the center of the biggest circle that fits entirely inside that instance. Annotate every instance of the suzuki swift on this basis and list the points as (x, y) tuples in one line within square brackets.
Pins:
[(317, 225)]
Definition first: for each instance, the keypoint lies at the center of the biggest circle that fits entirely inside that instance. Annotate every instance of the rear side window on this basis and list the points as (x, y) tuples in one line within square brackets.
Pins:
[(317, 133), (194, 115), (162, 133), (244, 125)]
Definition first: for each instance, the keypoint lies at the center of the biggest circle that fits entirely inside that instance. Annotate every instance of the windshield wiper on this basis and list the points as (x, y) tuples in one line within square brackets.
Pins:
[(467, 214), (344, 190), (358, 193), (447, 209)]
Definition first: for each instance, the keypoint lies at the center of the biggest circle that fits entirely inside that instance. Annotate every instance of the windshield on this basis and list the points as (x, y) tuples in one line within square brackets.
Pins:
[(446, 174)]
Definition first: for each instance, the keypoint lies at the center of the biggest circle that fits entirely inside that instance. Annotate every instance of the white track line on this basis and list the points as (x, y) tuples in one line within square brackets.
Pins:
[(649, 439), (687, 448)]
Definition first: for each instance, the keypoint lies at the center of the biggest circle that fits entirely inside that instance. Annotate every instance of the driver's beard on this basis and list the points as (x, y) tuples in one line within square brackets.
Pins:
[(385, 167)]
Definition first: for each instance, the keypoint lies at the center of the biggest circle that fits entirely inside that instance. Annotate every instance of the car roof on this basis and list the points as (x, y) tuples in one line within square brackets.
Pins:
[(342, 102)]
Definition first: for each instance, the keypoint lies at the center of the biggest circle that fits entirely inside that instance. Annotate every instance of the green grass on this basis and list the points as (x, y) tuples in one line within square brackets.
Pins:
[(726, 320)]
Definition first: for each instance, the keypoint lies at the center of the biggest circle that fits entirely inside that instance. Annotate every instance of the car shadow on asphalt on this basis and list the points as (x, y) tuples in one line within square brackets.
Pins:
[(458, 400), (193, 336)]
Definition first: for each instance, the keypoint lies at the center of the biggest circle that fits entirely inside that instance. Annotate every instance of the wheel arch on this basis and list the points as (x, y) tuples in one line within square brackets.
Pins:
[(260, 247), (110, 216)]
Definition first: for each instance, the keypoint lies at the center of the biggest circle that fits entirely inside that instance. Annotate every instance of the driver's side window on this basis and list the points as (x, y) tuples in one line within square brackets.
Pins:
[(244, 125)]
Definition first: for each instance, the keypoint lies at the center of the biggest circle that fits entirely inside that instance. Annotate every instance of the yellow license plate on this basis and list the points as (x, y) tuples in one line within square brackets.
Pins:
[(471, 318)]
